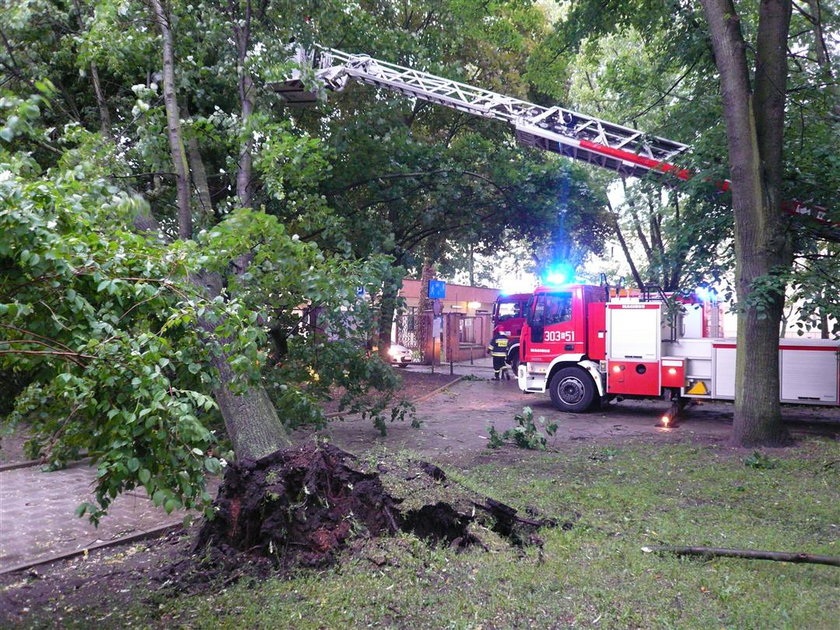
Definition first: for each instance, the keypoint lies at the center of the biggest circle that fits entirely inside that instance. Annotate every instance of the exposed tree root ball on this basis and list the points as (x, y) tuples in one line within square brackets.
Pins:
[(441, 523), (302, 505)]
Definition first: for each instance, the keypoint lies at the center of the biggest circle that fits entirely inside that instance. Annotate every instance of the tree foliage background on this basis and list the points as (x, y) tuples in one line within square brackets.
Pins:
[(181, 253)]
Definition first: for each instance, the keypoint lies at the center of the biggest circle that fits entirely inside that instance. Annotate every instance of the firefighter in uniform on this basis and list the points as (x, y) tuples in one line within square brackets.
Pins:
[(498, 350)]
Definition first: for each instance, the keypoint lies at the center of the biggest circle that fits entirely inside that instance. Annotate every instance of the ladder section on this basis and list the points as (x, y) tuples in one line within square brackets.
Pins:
[(626, 151), (572, 134)]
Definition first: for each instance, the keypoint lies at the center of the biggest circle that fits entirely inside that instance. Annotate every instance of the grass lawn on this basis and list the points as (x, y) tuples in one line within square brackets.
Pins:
[(619, 498)]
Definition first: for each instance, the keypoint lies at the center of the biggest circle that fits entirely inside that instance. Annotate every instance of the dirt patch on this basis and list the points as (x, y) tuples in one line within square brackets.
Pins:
[(454, 423), (98, 583)]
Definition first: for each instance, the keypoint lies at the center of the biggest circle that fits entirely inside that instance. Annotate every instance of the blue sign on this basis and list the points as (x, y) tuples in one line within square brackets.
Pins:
[(360, 291), (437, 289)]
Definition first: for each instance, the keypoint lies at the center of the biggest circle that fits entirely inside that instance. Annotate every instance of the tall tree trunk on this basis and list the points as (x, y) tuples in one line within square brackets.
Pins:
[(823, 58), (173, 123), (247, 93), (754, 127), (199, 176), (424, 331), (387, 308), (104, 113), (624, 248), (675, 262)]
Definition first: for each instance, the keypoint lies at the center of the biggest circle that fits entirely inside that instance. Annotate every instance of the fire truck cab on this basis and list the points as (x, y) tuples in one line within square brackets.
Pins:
[(562, 345)]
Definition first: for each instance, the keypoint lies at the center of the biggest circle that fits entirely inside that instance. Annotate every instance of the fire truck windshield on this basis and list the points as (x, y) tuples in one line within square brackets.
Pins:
[(551, 308), (508, 310)]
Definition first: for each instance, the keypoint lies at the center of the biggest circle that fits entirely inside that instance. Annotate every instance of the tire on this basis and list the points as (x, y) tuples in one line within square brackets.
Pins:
[(514, 362), (572, 390)]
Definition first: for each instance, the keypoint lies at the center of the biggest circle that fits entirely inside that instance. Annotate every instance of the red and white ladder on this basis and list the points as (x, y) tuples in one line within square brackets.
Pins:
[(626, 151)]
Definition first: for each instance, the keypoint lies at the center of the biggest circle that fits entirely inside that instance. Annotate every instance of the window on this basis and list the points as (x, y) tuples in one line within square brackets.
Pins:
[(553, 308), (509, 310)]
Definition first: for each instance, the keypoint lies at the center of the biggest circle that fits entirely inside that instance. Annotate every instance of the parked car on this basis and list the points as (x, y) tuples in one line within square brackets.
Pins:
[(400, 355)]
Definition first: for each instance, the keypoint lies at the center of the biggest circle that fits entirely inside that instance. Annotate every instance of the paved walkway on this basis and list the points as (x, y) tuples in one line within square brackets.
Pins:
[(38, 520)]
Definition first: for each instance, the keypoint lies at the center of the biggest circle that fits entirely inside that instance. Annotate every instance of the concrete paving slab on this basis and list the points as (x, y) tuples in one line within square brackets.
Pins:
[(38, 521)]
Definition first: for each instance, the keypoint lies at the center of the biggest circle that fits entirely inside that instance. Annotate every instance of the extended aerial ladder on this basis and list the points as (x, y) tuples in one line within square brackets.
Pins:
[(624, 150)]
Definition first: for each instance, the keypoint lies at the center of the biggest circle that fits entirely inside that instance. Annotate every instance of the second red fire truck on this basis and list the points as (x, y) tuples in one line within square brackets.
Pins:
[(508, 319)]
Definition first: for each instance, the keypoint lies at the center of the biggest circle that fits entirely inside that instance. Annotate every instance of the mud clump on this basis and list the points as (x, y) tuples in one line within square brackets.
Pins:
[(301, 506), (298, 506)]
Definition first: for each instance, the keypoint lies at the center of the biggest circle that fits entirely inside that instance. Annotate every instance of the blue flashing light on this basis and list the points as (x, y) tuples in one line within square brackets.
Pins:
[(706, 294), (559, 275)]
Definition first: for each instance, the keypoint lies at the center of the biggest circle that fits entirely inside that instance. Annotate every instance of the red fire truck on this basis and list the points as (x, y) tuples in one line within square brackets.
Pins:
[(508, 318), (584, 345)]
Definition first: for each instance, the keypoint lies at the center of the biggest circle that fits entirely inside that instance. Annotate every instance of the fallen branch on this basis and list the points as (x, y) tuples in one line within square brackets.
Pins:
[(713, 552)]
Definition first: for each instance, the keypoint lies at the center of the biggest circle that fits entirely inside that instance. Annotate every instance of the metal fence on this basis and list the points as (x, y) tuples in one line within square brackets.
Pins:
[(407, 329)]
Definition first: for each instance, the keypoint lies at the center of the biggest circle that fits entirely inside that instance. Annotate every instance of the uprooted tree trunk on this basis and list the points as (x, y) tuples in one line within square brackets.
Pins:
[(303, 505), (250, 418)]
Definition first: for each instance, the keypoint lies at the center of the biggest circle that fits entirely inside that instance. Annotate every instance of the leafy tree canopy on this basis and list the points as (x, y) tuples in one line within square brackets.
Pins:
[(116, 338)]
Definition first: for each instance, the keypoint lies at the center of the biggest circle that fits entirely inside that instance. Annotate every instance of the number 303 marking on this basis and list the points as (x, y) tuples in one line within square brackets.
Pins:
[(559, 335)]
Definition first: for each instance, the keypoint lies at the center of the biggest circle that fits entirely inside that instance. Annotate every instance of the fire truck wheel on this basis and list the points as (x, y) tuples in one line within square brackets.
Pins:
[(514, 362), (572, 390)]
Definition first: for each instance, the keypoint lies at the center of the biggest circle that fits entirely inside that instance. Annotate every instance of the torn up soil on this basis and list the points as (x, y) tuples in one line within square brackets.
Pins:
[(302, 506)]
